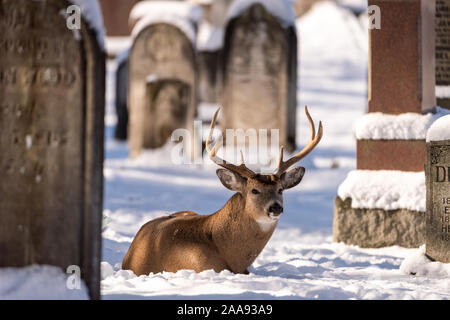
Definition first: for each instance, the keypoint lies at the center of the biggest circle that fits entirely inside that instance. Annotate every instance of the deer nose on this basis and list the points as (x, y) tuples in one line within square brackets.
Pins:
[(276, 208)]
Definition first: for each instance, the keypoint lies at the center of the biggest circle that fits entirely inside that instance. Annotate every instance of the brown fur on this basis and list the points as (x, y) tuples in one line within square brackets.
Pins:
[(185, 240)]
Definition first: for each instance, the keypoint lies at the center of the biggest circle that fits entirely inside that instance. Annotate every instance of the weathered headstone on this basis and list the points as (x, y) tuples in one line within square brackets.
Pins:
[(51, 140), (209, 50), (438, 200), (167, 106), (443, 53), (121, 131), (159, 51), (260, 75), (208, 66)]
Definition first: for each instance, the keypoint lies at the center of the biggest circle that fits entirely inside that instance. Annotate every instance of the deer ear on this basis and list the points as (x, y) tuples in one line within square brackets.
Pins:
[(230, 180), (292, 177)]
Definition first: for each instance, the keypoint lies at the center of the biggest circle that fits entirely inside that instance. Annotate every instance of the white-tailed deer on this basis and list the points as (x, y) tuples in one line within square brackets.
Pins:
[(230, 238)]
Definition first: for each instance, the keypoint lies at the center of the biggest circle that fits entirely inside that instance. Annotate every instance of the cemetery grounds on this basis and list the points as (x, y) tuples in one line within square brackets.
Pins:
[(300, 261)]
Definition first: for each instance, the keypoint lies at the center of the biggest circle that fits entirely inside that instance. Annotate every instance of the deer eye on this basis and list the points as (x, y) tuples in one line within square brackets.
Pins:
[(280, 191), (254, 191)]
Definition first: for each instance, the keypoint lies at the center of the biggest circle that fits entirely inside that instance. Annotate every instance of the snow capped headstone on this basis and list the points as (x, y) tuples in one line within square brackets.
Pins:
[(168, 101), (260, 78), (438, 190), (161, 57), (51, 139), (443, 53), (182, 14)]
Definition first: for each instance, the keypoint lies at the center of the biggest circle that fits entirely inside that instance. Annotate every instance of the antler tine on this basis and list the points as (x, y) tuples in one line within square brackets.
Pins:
[(241, 169), (313, 141)]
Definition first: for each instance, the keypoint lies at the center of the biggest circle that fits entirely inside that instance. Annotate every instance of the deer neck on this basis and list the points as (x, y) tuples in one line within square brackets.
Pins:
[(237, 235)]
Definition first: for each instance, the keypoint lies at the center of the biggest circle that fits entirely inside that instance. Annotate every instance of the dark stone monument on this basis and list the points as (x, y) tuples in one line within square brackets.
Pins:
[(208, 66), (438, 200), (121, 131), (159, 52), (376, 228), (260, 75), (443, 50), (51, 140)]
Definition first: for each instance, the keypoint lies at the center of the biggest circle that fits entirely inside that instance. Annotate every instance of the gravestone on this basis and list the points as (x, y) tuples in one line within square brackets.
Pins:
[(438, 200), (443, 53), (208, 66), (167, 105), (260, 75), (159, 51), (121, 131), (51, 140)]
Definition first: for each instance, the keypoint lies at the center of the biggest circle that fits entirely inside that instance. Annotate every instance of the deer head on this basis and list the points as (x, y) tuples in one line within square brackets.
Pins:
[(263, 193)]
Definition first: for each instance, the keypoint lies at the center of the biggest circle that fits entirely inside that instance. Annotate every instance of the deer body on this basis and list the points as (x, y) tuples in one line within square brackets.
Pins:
[(230, 238), (199, 242)]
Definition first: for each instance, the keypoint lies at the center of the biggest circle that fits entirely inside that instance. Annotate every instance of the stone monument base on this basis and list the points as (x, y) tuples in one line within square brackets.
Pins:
[(376, 228)]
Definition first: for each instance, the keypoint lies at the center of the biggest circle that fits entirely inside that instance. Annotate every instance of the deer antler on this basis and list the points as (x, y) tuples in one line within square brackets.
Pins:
[(313, 141), (240, 169)]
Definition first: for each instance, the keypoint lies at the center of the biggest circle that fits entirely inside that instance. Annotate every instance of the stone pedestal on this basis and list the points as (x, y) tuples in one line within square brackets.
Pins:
[(402, 155), (52, 91), (438, 200), (376, 228)]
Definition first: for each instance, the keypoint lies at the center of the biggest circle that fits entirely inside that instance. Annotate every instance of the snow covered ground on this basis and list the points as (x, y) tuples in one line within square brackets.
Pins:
[(300, 261)]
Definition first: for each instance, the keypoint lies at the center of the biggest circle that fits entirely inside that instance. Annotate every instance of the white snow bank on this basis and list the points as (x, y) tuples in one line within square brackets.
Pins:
[(209, 38), (38, 282), (439, 130), (160, 8), (91, 12), (281, 9), (408, 126), (384, 189), (153, 17), (417, 263)]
